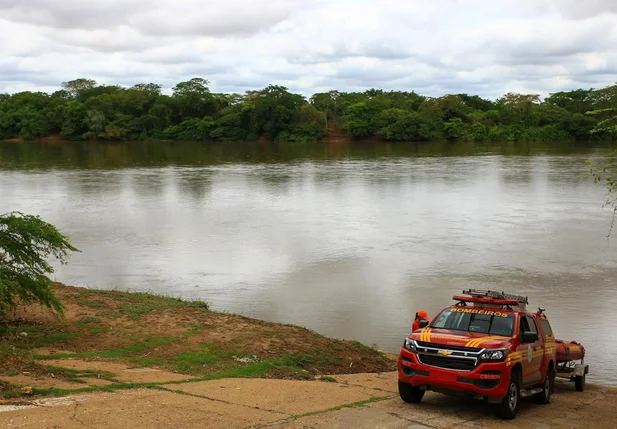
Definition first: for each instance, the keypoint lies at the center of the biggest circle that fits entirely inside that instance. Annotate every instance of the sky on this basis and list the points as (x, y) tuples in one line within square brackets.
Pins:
[(436, 47)]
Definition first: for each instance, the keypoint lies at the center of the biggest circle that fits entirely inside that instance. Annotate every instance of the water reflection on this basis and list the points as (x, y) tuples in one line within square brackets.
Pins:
[(100, 155), (349, 240)]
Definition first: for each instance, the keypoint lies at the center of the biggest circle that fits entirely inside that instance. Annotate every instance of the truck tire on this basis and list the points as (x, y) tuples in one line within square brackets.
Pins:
[(579, 383), (509, 405), (409, 393), (544, 397)]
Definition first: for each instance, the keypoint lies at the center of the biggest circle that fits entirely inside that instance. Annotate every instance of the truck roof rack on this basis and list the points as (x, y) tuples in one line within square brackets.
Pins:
[(492, 298)]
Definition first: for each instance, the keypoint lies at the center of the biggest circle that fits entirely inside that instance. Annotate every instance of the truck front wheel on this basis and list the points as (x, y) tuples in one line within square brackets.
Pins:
[(409, 393), (508, 407), (544, 397)]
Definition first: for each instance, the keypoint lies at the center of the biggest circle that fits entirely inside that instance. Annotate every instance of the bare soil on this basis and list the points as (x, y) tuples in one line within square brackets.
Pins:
[(106, 333)]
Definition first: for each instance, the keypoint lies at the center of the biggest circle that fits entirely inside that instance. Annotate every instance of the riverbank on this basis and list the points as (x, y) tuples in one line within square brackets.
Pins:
[(107, 334), (331, 137), (123, 359)]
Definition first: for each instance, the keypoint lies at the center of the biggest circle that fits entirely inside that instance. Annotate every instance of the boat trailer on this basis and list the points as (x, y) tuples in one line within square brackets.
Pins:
[(571, 363)]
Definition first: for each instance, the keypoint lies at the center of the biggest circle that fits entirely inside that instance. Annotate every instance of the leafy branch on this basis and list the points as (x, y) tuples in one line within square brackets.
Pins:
[(606, 174), (26, 242)]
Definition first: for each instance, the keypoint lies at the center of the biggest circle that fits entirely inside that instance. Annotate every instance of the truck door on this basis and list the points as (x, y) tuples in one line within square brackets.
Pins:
[(537, 357), (531, 353)]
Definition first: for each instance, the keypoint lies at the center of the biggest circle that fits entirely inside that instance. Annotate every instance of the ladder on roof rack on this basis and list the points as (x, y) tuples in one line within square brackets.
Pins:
[(497, 295)]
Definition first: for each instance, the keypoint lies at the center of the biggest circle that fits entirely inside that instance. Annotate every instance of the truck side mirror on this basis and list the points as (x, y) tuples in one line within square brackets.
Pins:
[(529, 337), (423, 324)]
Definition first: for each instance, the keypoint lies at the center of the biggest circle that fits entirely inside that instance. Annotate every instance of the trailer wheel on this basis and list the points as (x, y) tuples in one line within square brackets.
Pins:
[(579, 382)]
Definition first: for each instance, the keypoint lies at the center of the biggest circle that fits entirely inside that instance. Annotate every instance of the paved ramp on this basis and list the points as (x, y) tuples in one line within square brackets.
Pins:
[(354, 401)]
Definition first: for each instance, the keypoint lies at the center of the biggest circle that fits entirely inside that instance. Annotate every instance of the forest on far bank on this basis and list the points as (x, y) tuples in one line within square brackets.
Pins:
[(85, 110)]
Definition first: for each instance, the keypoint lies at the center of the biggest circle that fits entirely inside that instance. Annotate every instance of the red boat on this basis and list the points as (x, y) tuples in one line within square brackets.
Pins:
[(571, 362), (569, 351)]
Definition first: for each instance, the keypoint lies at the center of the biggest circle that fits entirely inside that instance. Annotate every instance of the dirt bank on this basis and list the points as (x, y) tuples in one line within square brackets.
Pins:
[(54, 138), (331, 137), (180, 337)]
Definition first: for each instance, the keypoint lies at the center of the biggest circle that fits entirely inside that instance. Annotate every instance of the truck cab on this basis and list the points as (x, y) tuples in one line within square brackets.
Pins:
[(487, 346)]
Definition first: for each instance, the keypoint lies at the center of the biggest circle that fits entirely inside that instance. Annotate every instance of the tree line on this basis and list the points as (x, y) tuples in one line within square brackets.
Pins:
[(84, 110)]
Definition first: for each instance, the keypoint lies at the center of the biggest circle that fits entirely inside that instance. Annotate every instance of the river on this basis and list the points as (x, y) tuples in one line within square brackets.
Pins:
[(346, 239)]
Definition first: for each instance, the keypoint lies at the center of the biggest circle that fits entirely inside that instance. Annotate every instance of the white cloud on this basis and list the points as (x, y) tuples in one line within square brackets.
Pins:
[(482, 47)]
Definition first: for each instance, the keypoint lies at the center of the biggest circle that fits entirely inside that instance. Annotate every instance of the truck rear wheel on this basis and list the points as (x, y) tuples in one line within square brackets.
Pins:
[(508, 407), (410, 394)]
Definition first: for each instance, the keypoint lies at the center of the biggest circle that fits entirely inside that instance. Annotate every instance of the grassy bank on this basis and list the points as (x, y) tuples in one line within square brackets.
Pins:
[(180, 337)]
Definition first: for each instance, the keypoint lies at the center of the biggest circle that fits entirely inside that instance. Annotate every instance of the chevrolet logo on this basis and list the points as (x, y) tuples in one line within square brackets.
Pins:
[(445, 352)]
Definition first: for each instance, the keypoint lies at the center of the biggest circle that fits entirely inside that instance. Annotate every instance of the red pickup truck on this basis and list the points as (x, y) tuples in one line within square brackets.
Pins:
[(486, 346)]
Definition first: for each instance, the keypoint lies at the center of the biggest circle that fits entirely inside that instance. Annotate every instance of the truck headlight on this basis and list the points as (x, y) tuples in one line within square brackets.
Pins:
[(409, 344), (494, 355)]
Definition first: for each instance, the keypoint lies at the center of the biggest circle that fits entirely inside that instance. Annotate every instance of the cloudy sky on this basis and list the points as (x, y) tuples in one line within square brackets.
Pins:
[(485, 47)]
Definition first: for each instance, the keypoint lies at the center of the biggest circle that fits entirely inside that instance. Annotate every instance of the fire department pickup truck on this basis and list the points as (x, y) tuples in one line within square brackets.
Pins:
[(486, 346)]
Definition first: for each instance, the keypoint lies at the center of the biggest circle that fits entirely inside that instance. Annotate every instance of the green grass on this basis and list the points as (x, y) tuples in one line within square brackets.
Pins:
[(133, 312), (108, 314), (145, 361), (135, 304), (328, 379), (35, 336), (361, 347), (11, 393), (139, 347), (210, 360), (195, 361), (97, 329), (43, 339), (275, 334), (9, 353), (92, 304), (194, 329), (292, 364), (87, 320), (153, 302), (8, 391), (74, 374)]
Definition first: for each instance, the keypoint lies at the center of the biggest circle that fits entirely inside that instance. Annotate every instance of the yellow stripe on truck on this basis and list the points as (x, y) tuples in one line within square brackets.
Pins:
[(477, 341), (425, 335), (513, 358)]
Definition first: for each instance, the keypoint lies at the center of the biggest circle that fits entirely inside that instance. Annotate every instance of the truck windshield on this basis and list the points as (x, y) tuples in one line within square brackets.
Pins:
[(470, 319)]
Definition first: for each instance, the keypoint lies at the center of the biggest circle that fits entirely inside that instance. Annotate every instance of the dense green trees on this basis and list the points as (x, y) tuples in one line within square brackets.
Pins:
[(82, 109)]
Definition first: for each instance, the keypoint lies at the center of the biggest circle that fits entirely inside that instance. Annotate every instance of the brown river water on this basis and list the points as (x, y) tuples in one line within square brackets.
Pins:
[(348, 240)]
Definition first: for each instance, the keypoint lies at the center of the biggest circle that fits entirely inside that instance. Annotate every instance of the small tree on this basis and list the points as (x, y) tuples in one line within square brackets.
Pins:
[(607, 173), (26, 242)]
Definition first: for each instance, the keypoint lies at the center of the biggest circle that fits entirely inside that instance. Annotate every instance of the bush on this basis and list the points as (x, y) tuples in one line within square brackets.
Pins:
[(25, 243)]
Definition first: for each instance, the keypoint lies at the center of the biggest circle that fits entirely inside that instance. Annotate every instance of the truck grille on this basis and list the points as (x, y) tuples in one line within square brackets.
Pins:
[(447, 362)]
